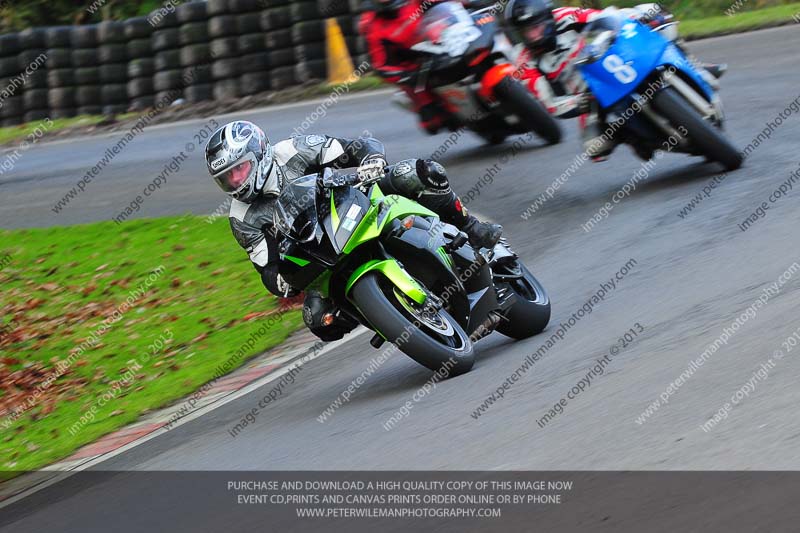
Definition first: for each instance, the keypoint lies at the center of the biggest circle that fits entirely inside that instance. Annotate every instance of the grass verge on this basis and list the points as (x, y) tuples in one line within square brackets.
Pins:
[(741, 22), (364, 83), (15, 133), (103, 322)]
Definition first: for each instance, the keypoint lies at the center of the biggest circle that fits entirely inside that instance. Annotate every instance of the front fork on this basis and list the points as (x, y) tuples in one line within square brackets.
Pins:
[(712, 111)]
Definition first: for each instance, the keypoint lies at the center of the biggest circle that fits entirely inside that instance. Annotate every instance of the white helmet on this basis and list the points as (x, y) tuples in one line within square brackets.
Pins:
[(239, 158)]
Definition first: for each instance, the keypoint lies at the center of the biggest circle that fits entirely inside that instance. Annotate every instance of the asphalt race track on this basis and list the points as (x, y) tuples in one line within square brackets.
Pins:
[(691, 278)]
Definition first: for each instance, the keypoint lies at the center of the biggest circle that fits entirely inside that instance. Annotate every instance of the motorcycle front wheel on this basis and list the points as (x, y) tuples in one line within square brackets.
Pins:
[(708, 140), (518, 100), (432, 339)]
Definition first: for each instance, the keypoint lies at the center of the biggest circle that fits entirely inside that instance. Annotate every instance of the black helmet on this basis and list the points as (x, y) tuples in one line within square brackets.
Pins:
[(532, 22), (386, 8)]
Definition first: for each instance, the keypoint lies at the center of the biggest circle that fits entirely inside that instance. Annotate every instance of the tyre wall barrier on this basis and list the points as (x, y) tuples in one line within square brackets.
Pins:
[(197, 51)]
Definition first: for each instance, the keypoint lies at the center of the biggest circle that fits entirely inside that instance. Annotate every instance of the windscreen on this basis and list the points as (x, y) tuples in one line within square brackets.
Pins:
[(446, 28), (599, 35), (296, 211), (609, 20)]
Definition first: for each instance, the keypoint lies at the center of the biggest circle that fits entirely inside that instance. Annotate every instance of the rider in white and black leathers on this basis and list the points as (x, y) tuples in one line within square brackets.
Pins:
[(244, 164)]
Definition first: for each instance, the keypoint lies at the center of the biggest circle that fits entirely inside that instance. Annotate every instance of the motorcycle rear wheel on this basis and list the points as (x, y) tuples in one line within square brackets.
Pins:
[(530, 313), (436, 341)]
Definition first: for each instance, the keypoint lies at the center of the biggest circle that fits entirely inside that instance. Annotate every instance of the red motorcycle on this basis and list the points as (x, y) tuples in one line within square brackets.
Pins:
[(464, 61)]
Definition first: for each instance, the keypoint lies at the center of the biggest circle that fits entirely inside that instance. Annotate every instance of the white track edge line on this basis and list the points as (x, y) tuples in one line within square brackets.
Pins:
[(62, 475)]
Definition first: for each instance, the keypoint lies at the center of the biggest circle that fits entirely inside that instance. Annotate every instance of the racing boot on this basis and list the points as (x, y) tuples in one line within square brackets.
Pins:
[(441, 199), (482, 234), (596, 142), (712, 72), (716, 70)]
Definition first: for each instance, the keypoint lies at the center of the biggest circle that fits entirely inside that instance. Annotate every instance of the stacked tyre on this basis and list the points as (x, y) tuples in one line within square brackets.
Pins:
[(141, 65), (195, 53), (166, 46), (60, 74), (308, 38), (112, 54), (86, 72), (276, 22), (226, 66), (202, 50), (356, 44), (33, 64), (252, 45), (13, 109)]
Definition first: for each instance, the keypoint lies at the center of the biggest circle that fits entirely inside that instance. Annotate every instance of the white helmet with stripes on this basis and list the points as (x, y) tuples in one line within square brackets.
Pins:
[(240, 159)]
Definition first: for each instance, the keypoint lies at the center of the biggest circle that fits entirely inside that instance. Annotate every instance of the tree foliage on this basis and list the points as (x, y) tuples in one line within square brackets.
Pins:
[(19, 14)]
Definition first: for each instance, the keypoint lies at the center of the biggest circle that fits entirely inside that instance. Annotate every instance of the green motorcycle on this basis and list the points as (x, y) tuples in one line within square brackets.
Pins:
[(390, 264)]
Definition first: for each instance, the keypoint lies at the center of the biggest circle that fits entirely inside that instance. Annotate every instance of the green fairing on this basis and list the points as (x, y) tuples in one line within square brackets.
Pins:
[(334, 214), (375, 194), (371, 227), (445, 257), (321, 284), (395, 273), (296, 260)]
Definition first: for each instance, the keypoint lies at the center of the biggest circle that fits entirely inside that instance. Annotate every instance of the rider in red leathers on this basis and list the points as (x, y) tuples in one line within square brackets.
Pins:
[(389, 28)]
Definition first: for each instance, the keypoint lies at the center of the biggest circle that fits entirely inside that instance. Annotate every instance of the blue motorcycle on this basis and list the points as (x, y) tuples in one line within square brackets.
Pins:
[(649, 92)]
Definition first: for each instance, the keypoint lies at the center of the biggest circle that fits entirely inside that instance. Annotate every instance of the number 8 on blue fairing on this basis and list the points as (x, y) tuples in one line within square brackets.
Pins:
[(621, 70)]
